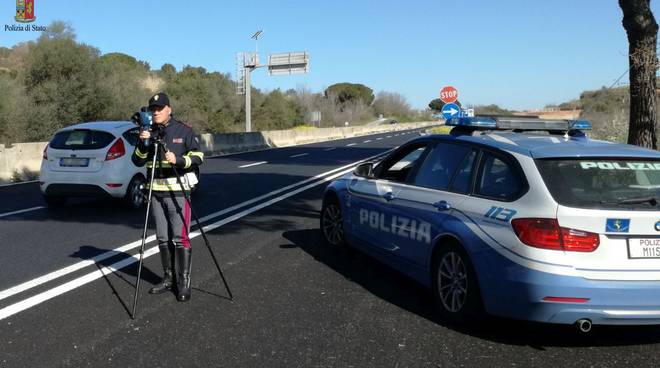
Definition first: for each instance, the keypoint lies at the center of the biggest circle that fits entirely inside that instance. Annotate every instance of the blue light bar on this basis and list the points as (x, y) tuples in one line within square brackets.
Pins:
[(517, 123), (475, 122)]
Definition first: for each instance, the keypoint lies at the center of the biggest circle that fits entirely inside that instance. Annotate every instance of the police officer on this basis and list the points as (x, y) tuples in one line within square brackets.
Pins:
[(169, 207)]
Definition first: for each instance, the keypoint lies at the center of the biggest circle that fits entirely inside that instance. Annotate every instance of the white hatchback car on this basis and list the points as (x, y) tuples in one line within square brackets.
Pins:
[(93, 160)]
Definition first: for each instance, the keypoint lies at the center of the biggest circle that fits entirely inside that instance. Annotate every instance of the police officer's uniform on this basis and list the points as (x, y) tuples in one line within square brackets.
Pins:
[(170, 209)]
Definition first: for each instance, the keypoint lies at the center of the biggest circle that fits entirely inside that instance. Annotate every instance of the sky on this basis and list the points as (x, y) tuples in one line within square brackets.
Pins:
[(518, 54)]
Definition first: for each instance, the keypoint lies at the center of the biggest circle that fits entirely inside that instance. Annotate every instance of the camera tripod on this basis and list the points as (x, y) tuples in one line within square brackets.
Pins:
[(158, 147)]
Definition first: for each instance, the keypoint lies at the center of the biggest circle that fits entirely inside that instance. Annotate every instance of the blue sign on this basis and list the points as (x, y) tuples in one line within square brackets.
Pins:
[(450, 110), (617, 225)]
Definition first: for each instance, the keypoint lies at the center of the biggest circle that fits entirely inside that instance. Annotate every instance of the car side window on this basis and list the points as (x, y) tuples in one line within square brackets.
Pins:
[(132, 136), (440, 165), (461, 182), (498, 178), (398, 167)]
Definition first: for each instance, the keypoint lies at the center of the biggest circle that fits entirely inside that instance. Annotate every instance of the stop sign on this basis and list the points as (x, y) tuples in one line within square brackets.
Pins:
[(448, 94)]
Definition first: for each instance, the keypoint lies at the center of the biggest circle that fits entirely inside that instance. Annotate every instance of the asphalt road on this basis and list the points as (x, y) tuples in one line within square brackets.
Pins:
[(297, 303)]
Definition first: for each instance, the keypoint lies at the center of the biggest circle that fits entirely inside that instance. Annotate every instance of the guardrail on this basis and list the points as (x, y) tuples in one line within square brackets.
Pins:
[(22, 161)]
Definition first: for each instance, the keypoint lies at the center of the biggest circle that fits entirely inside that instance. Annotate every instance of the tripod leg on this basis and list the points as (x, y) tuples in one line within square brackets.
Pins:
[(144, 235)]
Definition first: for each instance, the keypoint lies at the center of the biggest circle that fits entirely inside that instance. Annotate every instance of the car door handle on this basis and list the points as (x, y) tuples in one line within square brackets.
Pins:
[(442, 206), (388, 196)]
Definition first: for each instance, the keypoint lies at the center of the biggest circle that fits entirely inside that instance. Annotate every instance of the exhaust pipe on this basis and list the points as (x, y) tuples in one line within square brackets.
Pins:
[(583, 325)]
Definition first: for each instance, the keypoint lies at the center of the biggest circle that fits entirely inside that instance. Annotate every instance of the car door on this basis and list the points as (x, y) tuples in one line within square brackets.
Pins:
[(422, 205), (370, 219), (498, 183)]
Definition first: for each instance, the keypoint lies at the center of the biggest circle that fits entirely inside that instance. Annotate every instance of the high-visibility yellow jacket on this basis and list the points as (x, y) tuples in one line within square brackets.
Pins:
[(179, 139)]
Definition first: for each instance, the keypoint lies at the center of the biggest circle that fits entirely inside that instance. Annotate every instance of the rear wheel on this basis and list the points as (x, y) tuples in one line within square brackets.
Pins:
[(332, 225), (53, 201), (455, 287), (135, 197)]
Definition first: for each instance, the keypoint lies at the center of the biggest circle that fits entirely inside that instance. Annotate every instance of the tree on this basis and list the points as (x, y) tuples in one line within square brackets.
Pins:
[(350, 92), (392, 104), (642, 31), (58, 30), (437, 104), (61, 82)]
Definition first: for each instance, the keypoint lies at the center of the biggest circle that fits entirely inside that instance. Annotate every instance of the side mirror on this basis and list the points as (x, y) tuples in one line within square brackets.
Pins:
[(364, 170)]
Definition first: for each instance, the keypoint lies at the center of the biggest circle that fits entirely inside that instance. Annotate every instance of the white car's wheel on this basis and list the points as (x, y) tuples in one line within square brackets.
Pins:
[(135, 197)]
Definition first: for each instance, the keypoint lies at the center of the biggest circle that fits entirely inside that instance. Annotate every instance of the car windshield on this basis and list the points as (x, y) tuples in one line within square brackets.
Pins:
[(81, 139), (603, 183)]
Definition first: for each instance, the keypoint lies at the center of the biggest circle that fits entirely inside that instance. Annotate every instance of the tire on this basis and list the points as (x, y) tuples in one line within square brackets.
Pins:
[(455, 287), (52, 201), (331, 223), (135, 197)]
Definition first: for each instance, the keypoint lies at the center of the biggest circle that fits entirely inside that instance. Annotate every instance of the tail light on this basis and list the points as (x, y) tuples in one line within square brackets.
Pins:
[(116, 151), (45, 154), (547, 234)]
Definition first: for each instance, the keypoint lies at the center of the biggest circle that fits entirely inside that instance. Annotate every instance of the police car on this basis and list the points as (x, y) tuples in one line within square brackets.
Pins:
[(521, 218)]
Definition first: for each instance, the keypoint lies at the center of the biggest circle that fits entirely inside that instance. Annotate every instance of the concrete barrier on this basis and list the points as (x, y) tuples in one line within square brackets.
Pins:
[(22, 161)]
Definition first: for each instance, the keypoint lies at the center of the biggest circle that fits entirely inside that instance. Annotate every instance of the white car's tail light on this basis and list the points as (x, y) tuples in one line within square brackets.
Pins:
[(116, 151)]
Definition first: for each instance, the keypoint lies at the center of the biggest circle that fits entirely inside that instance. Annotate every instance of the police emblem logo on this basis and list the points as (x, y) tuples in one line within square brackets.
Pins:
[(25, 11), (156, 98), (617, 225)]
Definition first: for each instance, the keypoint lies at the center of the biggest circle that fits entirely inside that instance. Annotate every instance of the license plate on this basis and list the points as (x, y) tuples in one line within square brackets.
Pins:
[(644, 248), (74, 162)]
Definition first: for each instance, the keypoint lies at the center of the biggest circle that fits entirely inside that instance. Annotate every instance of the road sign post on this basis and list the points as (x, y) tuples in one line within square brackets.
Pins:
[(278, 64)]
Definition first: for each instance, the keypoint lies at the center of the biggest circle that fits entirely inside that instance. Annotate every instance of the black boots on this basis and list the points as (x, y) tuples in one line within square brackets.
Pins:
[(183, 260), (168, 275)]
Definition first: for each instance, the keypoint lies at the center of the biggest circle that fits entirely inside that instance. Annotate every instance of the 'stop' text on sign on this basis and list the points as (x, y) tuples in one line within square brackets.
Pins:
[(448, 94)]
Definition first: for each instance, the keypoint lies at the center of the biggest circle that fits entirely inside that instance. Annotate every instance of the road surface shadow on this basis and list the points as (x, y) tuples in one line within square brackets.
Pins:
[(392, 286), (104, 258)]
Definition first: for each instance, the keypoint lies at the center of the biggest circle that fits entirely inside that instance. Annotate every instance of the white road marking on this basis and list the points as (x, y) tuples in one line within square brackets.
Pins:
[(299, 155), (351, 144), (127, 247), (389, 136), (74, 284), (367, 141), (379, 138), (21, 211), (253, 164), (330, 149)]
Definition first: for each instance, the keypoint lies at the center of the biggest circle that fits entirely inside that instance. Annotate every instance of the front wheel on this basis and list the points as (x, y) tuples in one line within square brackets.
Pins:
[(455, 287), (332, 225)]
